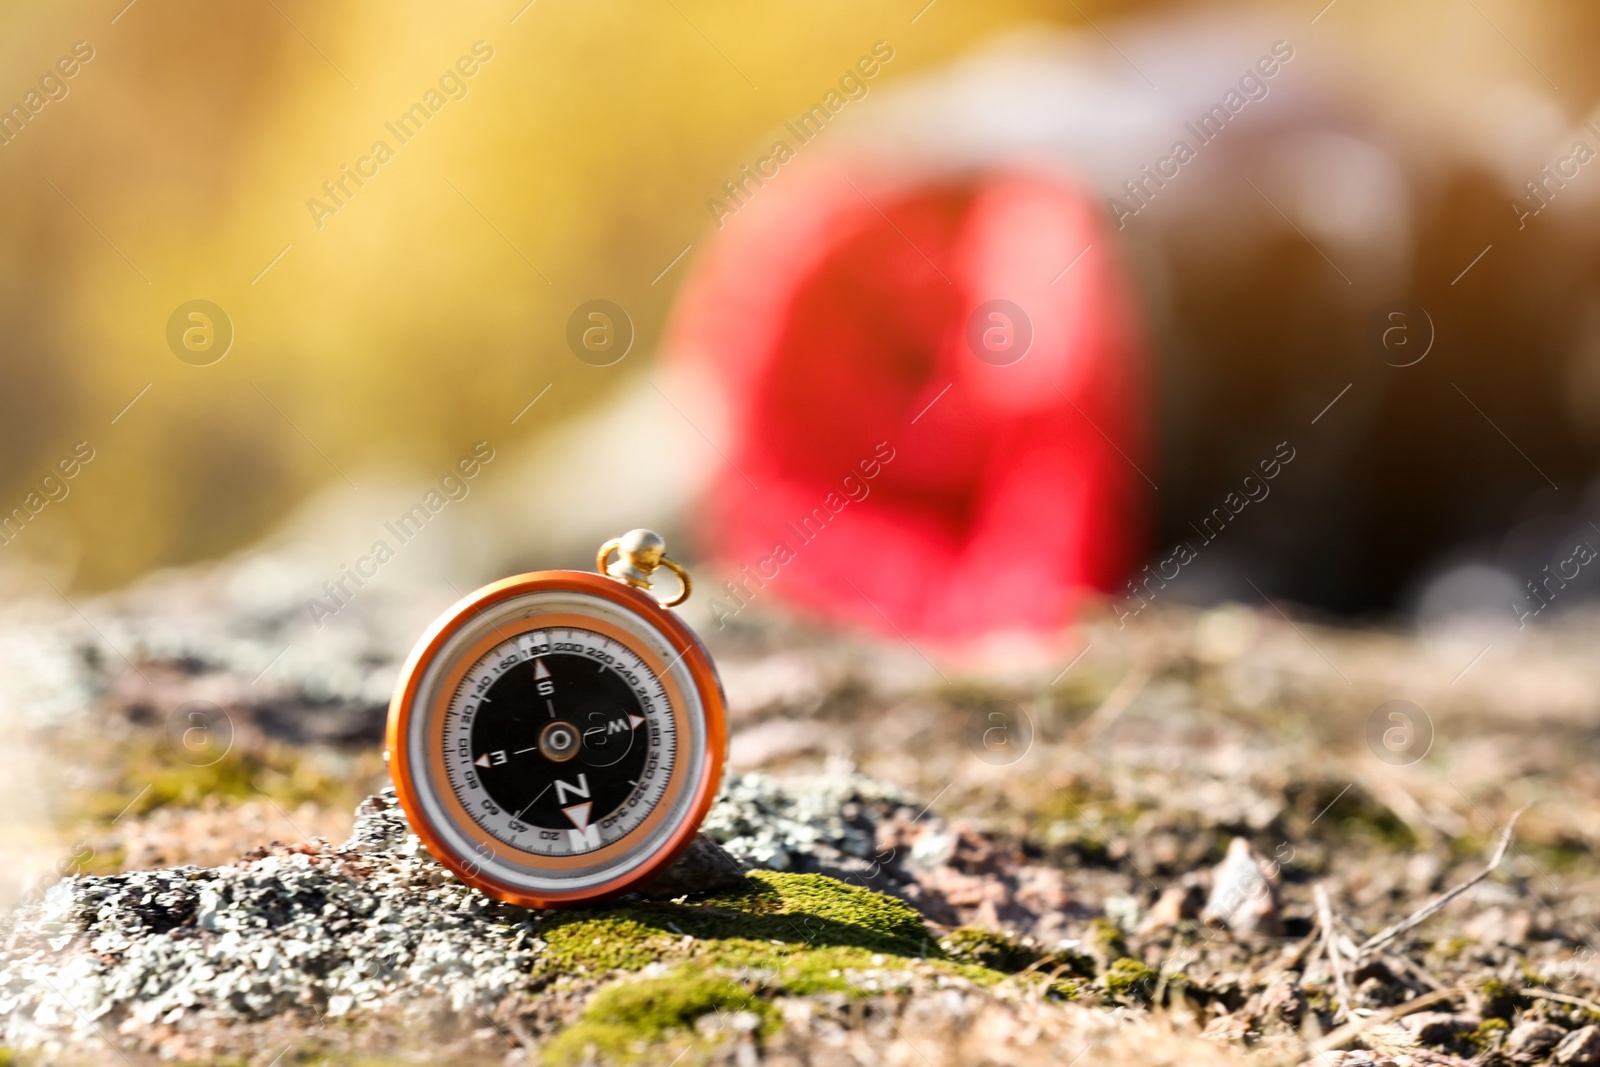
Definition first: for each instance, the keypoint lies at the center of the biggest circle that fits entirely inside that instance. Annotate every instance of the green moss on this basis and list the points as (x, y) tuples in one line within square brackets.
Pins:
[(602, 944), (769, 917), (625, 1019), (1498, 997), (1085, 829), (1469, 848), (1106, 937), (1489, 1033), (817, 907), (776, 935), (1129, 977), (1565, 854), (1069, 962), (170, 782), (1065, 989)]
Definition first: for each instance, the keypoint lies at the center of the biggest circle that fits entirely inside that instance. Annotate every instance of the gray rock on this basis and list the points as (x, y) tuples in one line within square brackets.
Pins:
[(311, 929), (1533, 1038), (315, 929), (376, 925), (1581, 1048), (799, 823), (703, 867)]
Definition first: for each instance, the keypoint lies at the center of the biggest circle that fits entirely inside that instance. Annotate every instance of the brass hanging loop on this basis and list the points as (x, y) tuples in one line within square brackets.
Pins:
[(639, 554)]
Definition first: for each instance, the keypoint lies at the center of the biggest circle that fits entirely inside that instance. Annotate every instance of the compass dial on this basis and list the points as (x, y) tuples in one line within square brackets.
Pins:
[(559, 741), (556, 738)]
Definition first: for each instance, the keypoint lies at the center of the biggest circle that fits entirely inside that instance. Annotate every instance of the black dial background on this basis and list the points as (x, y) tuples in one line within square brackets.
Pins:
[(587, 696)]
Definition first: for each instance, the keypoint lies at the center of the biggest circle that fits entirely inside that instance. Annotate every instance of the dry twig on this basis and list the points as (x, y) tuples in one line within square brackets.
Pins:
[(1560, 998), (1354, 1029), (1421, 915), (1330, 939)]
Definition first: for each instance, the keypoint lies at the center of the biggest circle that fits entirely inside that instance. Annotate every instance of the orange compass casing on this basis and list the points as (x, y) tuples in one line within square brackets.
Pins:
[(686, 727)]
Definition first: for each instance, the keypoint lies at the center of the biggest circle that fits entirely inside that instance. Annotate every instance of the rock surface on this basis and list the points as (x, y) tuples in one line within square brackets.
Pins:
[(314, 928), (178, 960)]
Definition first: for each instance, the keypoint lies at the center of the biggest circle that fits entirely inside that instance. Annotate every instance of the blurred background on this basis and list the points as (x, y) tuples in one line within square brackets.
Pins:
[(1191, 382), (1257, 301)]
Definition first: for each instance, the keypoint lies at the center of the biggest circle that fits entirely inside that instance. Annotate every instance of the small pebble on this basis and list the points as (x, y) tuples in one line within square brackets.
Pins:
[(1533, 1038), (1581, 1048), (1242, 896)]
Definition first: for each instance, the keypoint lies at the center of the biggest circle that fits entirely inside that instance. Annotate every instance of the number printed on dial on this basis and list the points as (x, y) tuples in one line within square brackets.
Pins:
[(559, 741)]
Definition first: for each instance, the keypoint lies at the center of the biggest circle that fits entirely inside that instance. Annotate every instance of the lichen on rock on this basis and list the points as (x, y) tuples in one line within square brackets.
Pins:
[(325, 932)]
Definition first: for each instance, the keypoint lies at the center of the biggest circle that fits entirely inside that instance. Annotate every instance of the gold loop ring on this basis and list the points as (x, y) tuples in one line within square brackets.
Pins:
[(683, 578), (636, 570), (606, 550)]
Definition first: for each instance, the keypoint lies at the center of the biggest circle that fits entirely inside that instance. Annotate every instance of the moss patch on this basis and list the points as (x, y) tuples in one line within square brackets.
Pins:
[(825, 910), (1133, 978), (625, 1019), (734, 951), (1498, 997), (770, 917), (1106, 937), (1488, 1034)]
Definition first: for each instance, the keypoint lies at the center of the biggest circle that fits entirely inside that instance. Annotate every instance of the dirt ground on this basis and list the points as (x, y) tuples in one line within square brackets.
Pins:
[(1202, 838)]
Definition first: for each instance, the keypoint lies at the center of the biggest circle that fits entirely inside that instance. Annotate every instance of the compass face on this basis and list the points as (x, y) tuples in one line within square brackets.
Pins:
[(559, 741), (556, 738)]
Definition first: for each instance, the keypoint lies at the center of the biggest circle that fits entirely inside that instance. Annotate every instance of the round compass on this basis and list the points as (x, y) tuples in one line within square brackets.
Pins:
[(557, 737)]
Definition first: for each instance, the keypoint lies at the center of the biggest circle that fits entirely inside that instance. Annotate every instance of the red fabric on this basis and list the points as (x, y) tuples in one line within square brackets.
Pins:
[(832, 312)]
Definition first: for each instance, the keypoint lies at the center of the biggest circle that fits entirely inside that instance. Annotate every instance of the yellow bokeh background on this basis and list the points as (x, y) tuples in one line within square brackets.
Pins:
[(434, 303), (181, 162)]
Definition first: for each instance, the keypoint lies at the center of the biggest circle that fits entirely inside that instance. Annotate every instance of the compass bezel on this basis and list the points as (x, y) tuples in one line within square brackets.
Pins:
[(542, 599)]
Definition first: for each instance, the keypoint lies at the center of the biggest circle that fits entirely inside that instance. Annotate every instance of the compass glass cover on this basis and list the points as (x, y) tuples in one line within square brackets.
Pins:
[(559, 741)]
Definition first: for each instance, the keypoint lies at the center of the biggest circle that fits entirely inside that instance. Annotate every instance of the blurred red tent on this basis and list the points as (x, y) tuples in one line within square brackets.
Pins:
[(937, 400)]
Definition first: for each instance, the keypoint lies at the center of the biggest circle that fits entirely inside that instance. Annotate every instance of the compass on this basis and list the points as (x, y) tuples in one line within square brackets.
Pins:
[(556, 738)]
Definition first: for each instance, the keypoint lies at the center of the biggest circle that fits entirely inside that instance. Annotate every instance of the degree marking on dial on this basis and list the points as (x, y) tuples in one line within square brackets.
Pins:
[(584, 830)]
